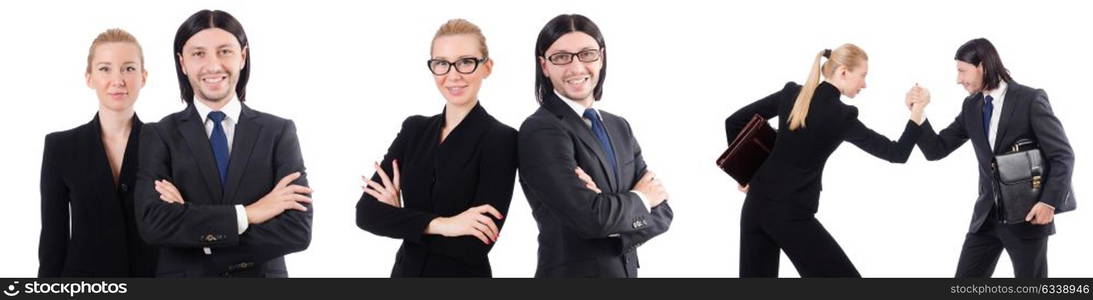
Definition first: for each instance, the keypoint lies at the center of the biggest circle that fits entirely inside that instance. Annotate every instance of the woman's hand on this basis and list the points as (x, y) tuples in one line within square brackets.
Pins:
[(388, 192), (475, 221), (168, 192)]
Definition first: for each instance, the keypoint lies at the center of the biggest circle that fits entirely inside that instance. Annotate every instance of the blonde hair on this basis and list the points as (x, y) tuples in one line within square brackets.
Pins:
[(847, 55), (461, 26), (113, 35)]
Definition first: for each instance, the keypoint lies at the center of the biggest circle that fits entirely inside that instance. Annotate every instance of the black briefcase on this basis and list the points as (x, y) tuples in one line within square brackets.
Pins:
[(1018, 180)]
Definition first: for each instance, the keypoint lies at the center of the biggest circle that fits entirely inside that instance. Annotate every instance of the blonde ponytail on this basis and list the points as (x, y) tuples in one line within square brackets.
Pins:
[(804, 98)]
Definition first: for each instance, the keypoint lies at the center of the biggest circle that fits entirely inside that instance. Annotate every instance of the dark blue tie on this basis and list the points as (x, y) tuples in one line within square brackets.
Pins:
[(988, 110), (601, 135), (219, 141)]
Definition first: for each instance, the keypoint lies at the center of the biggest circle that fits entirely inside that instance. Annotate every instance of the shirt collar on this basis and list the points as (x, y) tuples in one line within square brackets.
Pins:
[(577, 107), (998, 94), (231, 110)]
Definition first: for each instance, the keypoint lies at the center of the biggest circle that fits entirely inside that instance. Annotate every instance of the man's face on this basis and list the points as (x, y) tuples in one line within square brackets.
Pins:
[(212, 59), (970, 76), (577, 78)]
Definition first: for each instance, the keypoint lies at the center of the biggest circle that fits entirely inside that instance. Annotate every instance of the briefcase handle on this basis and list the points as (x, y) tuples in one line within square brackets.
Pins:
[(1022, 145)]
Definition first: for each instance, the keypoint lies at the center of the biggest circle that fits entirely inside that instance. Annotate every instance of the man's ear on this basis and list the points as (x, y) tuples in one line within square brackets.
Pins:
[(181, 63), (543, 66), (244, 53)]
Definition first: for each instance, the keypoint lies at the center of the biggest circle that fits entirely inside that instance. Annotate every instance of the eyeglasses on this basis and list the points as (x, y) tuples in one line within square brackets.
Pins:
[(564, 58), (464, 65)]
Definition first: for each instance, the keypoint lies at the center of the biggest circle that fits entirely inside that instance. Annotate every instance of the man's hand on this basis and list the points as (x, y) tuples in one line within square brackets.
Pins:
[(282, 197), (1040, 214), (649, 186)]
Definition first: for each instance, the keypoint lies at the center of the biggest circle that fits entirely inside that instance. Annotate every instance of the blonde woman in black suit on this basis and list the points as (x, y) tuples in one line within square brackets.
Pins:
[(782, 197), (88, 175)]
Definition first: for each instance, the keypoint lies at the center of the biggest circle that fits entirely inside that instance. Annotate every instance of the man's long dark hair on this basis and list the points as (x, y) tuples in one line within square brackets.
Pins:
[(552, 31), (202, 20), (980, 52)]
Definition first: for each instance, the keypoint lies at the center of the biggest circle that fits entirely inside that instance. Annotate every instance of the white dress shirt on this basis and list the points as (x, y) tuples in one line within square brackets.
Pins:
[(998, 96), (579, 109), (231, 110)]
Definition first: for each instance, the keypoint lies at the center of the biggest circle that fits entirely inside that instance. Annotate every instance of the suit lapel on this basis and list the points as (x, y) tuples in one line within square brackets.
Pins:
[(615, 131), (246, 134), (193, 130), (1008, 105), (583, 132)]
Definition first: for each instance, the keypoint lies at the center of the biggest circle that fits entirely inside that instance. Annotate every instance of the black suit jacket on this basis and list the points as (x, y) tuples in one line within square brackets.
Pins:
[(1026, 114), (582, 233), (475, 165), (264, 149), (793, 174), (78, 185)]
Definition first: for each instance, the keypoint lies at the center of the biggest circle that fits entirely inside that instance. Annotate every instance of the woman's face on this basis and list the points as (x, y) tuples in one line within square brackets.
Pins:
[(464, 66), (853, 81), (116, 75)]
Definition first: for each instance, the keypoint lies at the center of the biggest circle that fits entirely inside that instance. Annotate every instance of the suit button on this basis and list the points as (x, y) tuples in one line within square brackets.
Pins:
[(209, 238), (124, 188)]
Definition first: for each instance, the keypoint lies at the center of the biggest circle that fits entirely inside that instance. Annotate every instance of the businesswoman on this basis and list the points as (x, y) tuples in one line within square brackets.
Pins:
[(783, 195), (446, 181), (88, 228)]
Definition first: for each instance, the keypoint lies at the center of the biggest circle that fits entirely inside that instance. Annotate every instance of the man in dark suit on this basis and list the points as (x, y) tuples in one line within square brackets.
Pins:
[(581, 168), (997, 114), (208, 189)]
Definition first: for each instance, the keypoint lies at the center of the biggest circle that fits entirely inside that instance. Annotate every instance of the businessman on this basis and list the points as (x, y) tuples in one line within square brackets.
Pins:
[(221, 187), (581, 168), (997, 113)]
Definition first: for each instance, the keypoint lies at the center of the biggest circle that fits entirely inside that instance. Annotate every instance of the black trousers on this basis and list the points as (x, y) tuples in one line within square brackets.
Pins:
[(767, 228), (983, 248)]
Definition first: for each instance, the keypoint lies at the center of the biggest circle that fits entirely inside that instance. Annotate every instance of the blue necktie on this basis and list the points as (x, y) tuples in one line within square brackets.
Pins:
[(601, 135), (219, 142), (988, 111)]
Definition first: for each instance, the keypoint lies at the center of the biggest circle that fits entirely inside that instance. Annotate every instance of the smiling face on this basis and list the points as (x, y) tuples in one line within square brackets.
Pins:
[(211, 60), (458, 88), (969, 76), (576, 80), (116, 75)]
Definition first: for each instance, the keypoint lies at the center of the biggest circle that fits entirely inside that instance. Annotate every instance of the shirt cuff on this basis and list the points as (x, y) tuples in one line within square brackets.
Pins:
[(241, 218), (1048, 205), (644, 202)]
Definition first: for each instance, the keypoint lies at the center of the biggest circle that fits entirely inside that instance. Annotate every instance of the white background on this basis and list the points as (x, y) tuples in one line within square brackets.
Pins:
[(349, 72)]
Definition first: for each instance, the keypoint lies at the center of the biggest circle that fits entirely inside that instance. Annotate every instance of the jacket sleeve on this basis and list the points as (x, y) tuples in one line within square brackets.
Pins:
[(385, 220), (1056, 149), (878, 145), (935, 146), (53, 241), (766, 107), (660, 216)]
